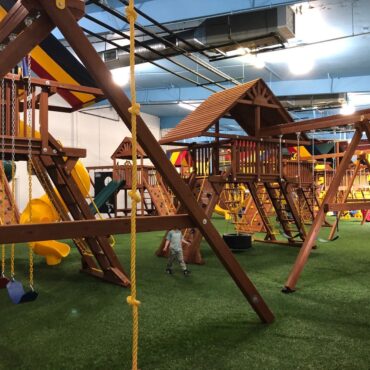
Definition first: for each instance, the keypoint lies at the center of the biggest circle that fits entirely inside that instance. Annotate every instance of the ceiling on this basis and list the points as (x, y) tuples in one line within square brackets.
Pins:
[(331, 35)]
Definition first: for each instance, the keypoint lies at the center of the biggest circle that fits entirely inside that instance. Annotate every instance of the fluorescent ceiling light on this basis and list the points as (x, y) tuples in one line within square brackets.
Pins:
[(357, 99), (259, 63), (301, 65), (187, 106), (121, 76), (347, 109), (252, 59)]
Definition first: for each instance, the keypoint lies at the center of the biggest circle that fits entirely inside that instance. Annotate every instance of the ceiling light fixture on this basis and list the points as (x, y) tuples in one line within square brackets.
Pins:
[(121, 76), (259, 63), (347, 109), (187, 106), (301, 65)]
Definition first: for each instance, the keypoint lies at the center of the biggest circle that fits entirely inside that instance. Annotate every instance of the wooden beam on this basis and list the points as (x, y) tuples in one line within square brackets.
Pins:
[(24, 43), (68, 26), (55, 85), (316, 124), (9, 24), (253, 138), (349, 206), (259, 104), (89, 228), (320, 216)]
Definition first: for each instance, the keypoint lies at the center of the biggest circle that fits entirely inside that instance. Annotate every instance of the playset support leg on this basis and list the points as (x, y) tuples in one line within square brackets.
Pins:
[(318, 221)]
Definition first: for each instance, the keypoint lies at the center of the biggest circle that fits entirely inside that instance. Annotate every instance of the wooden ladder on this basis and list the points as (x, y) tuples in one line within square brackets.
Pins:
[(110, 269), (161, 198), (286, 211)]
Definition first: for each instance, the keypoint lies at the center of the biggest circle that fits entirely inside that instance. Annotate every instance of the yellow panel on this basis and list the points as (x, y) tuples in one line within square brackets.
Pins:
[(57, 72)]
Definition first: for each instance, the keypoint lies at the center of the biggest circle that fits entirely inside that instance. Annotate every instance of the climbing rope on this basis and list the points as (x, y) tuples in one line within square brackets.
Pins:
[(135, 199)]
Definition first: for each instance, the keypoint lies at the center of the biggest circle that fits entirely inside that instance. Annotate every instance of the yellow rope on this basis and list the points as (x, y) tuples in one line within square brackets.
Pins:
[(135, 111)]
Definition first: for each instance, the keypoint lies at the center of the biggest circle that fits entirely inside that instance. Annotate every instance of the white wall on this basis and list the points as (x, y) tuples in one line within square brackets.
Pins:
[(98, 135)]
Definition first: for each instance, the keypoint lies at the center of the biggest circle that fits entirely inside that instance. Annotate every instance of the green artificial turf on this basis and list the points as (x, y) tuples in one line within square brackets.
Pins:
[(200, 322)]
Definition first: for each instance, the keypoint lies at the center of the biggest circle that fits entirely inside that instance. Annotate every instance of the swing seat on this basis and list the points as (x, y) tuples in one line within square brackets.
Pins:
[(29, 296), (52, 250), (321, 240), (3, 282), (15, 291), (238, 242)]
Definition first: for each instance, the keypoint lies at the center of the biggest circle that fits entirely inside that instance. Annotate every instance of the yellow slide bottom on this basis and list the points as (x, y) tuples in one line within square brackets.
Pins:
[(52, 250), (222, 212)]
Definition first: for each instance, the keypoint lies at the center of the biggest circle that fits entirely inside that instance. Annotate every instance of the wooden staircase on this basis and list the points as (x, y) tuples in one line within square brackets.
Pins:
[(286, 211), (98, 257)]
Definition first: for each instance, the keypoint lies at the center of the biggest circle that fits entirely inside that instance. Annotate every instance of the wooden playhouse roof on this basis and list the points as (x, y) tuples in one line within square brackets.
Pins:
[(238, 103), (124, 150)]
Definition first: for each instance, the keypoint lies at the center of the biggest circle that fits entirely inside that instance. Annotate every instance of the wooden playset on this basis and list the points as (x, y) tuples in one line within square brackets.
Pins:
[(287, 186), (17, 40), (228, 161)]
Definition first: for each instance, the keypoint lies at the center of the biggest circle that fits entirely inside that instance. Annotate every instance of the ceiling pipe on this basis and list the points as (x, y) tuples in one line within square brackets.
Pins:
[(274, 25)]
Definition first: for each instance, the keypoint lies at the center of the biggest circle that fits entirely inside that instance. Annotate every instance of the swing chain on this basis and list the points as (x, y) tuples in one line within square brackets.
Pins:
[(299, 158), (12, 253), (313, 170), (2, 170), (29, 162)]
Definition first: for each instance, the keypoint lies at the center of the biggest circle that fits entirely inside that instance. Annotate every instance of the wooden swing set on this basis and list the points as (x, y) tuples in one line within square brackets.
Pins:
[(18, 40)]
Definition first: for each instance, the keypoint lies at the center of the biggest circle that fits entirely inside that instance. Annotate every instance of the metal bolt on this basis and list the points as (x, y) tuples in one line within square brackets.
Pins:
[(28, 21), (44, 150), (255, 299), (12, 36), (204, 221), (54, 151)]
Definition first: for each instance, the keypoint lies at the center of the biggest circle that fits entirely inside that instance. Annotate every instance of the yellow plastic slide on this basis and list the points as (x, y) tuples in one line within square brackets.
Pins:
[(43, 211), (222, 212)]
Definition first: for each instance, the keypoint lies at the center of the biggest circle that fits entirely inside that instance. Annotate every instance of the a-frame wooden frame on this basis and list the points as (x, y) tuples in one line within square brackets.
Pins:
[(362, 125), (49, 14)]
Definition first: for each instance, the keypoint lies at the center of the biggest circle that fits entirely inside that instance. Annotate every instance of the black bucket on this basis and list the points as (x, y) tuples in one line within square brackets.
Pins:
[(238, 242)]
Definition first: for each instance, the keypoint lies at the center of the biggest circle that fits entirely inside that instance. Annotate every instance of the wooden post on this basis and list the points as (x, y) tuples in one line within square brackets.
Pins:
[(320, 217), (234, 159), (257, 120), (216, 151), (44, 120)]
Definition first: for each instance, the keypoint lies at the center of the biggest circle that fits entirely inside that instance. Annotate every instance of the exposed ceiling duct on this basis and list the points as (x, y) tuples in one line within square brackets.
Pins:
[(257, 31)]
